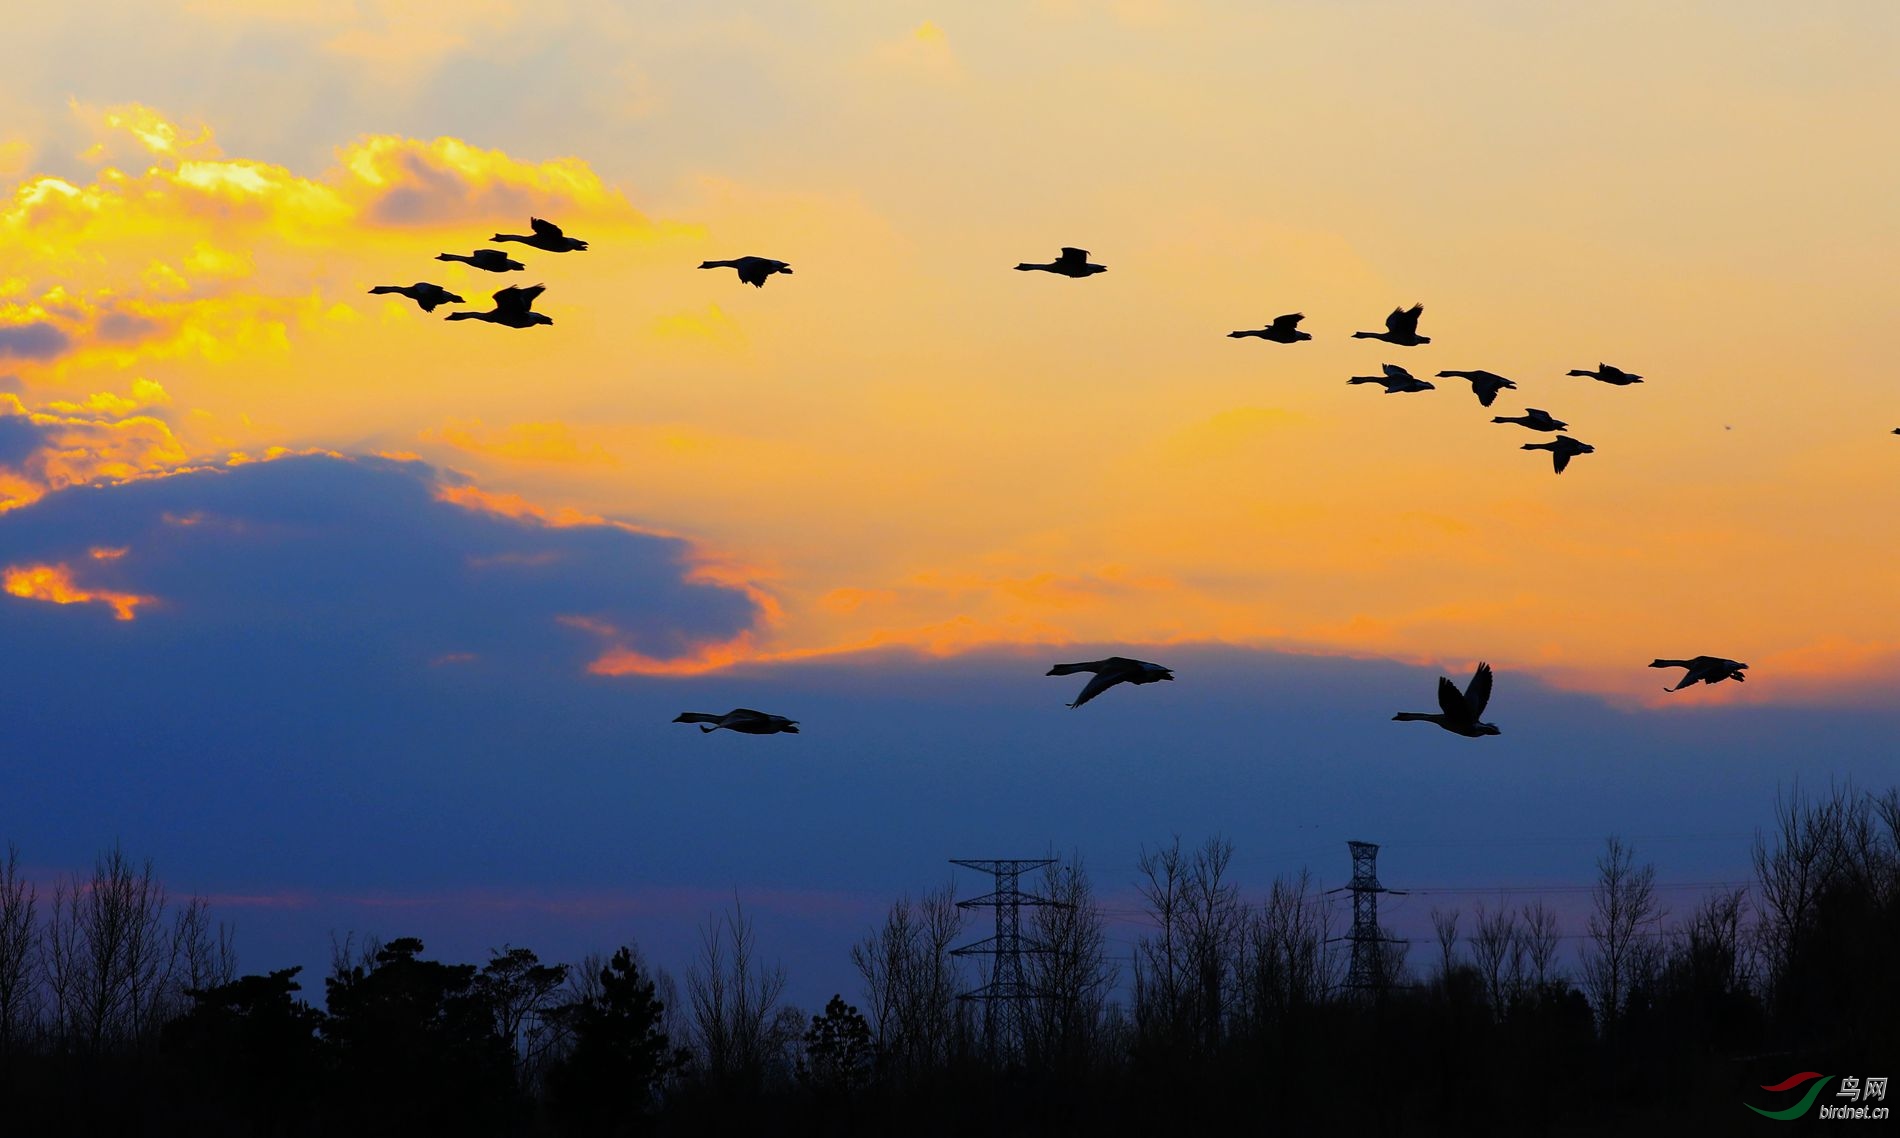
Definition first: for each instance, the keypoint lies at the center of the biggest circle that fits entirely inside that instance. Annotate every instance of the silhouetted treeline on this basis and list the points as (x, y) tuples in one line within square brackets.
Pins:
[(121, 1012)]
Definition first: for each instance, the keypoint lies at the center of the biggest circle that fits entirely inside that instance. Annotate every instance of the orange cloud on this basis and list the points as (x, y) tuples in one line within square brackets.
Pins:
[(54, 583)]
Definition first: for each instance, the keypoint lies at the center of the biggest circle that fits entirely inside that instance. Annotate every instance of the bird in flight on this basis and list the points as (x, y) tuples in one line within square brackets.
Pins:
[(743, 720), (428, 296), (1283, 330), (512, 308), (1109, 672), (1401, 328), (1535, 419), (1458, 710), (1608, 374), (751, 270), (1395, 380), (1484, 384), (1562, 449), (1072, 263), (547, 237), (1704, 669), (493, 260)]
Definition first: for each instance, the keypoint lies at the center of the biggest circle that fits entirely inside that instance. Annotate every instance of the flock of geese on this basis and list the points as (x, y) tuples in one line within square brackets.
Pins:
[(1459, 712)]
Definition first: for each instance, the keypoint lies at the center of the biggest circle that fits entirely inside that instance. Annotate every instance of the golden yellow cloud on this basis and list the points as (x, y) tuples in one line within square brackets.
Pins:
[(54, 584)]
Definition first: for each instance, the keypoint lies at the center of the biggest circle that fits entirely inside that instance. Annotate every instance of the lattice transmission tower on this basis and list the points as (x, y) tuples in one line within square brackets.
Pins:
[(1006, 996), (1370, 968)]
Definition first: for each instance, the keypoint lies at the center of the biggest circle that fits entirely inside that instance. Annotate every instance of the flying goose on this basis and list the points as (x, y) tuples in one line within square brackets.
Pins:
[(512, 308), (1401, 328), (1608, 374), (547, 237), (1072, 263), (1562, 449), (493, 260), (1459, 711), (1704, 669), (751, 270), (1283, 330), (1395, 380), (1109, 672), (743, 720), (1535, 419), (428, 296), (1484, 384)]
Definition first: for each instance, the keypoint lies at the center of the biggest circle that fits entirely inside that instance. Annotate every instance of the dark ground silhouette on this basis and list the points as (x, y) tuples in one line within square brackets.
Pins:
[(122, 1013)]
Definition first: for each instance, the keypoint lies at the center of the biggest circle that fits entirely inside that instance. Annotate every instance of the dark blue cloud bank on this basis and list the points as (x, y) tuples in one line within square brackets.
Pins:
[(348, 688)]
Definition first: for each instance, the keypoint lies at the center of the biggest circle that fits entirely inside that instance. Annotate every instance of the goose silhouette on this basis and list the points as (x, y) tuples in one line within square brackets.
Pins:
[(751, 270), (512, 309), (1535, 419), (1562, 449), (1608, 374), (1072, 263), (1283, 330), (741, 719), (546, 237), (1704, 670), (428, 297), (493, 260), (1395, 380), (1401, 328), (1458, 710), (1484, 384), (1114, 670)]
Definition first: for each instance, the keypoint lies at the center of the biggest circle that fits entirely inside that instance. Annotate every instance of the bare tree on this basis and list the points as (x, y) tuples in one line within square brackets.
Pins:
[(1710, 949), (1623, 906), (1070, 974), (1287, 966), (1540, 942), (1445, 925), (1808, 854), (19, 986), (108, 957), (1186, 973), (735, 1003), (1499, 952), (911, 983)]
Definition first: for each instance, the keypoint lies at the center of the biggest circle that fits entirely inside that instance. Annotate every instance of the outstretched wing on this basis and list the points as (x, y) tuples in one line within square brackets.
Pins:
[(1288, 322), (517, 299), (1478, 692), (1404, 321), (1452, 701), (545, 228), (1104, 679), (1074, 256), (1394, 371), (1560, 458)]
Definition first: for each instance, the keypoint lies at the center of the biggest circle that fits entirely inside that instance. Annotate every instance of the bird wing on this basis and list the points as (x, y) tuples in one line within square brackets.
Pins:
[(1288, 322), (1404, 321), (1452, 701), (746, 713), (1076, 256), (1103, 680), (1394, 371), (1560, 458), (516, 298), (545, 228), (1478, 692)]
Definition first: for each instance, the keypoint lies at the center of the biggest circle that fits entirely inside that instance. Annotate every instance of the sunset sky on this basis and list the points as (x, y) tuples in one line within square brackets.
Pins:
[(352, 618)]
